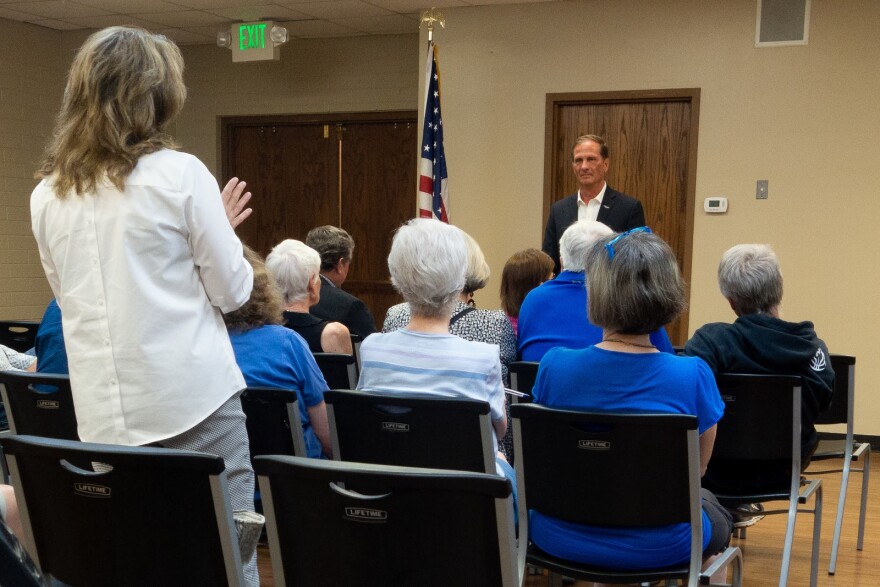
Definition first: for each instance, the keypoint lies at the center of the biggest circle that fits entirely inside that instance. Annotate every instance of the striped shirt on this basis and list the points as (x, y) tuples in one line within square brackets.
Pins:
[(444, 365)]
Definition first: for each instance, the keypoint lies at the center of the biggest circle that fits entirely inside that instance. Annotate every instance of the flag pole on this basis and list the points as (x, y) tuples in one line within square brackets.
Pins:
[(433, 187)]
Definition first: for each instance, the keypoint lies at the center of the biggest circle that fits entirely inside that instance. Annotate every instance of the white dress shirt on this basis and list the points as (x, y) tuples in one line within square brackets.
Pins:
[(590, 210), (141, 277)]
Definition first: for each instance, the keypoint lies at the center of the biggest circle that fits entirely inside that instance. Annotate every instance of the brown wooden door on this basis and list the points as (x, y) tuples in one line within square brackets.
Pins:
[(378, 195), (652, 139), (292, 171), (356, 171)]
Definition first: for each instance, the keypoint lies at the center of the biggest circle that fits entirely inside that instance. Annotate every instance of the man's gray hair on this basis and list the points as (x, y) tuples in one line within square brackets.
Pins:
[(637, 291), (294, 265), (427, 265), (750, 278), (577, 240), (332, 243)]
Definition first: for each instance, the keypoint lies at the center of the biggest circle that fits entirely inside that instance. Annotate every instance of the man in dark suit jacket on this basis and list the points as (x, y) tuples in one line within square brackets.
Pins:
[(336, 248), (599, 202)]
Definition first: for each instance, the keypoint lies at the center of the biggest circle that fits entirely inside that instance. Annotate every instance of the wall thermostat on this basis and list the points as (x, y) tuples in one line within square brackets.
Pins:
[(715, 205)]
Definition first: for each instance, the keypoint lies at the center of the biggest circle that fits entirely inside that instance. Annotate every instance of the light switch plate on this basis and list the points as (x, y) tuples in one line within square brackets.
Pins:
[(761, 192)]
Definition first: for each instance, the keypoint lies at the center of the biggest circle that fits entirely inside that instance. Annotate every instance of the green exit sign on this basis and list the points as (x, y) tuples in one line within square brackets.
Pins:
[(250, 42)]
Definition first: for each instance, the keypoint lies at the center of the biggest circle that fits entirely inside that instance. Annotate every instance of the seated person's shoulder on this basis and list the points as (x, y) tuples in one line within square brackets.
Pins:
[(336, 338)]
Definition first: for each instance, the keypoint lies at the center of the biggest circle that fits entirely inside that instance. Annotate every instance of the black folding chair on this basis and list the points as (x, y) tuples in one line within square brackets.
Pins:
[(842, 411), (403, 526), (522, 379), (145, 516), (762, 423), (274, 425), (339, 370), (607, 469), (393, 429), (18, 334), (39, 404)]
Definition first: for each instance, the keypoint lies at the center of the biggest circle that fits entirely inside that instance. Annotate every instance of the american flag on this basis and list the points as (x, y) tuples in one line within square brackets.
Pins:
[(433, 180)]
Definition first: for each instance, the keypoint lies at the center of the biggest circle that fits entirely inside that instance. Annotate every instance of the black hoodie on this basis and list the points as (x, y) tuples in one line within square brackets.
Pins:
[(760, 343)]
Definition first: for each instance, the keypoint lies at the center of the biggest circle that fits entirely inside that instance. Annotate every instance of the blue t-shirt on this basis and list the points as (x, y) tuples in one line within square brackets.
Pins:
[(554, 314), (600, 380), (49, 344), (275, 356)]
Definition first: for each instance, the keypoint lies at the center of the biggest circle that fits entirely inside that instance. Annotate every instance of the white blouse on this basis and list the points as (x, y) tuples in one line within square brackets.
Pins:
[(142, 277)]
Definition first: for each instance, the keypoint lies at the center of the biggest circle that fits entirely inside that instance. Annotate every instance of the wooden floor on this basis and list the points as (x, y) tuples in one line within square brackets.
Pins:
[(762, 548)]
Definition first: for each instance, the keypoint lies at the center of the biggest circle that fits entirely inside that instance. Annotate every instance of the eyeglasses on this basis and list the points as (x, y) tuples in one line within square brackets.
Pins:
[(610, 245)]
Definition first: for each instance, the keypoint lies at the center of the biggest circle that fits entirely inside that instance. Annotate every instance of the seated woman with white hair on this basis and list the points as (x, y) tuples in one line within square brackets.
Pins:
[(470, 323), (270, 355), (466, 321), (296, 269), (427, 266)]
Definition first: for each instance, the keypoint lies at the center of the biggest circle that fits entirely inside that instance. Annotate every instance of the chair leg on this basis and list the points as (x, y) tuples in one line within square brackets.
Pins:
[(866, 472), (555, 580), (789, 539), (817, 530), (838, 523)]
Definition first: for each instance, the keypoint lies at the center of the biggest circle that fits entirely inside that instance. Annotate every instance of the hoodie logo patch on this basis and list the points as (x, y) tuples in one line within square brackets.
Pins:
[(818, 361)]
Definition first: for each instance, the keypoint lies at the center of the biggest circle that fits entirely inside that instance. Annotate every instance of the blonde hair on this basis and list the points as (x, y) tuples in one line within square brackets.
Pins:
[(477, 273), (125, 85)]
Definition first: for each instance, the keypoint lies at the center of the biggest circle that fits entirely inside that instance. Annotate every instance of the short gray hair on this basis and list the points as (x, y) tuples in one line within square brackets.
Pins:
[(427, 265), (577, 240), (294, 265), (332, 243), (637, 291), (477, 273), (750, 278)]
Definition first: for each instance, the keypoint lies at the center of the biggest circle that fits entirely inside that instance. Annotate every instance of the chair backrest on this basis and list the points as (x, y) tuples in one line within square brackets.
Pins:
[(592, 468), (339, 369), (843, 399), (404, 526), (99, 515), (18, 334), (762, 418), (522, 376), (356, 341), (39, 404), (274, 425), (392, 429)]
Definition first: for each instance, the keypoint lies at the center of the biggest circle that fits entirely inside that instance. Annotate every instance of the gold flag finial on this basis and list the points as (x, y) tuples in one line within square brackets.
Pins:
[(430, 17)]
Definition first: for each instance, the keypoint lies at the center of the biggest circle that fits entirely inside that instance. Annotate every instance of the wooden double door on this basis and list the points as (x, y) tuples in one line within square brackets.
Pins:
[(356, 171)]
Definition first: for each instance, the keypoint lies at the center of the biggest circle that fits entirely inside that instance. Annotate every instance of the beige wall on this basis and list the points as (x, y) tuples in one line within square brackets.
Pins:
[(805, 118), (31, 82), (797, 116)]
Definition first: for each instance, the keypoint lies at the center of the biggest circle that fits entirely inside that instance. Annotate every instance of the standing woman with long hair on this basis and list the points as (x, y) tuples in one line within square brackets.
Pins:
[(143, 260)]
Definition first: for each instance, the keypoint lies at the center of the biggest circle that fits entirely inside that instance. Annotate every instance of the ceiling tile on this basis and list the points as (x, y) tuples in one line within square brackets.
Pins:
[(393, 24), (128, 6), (419, 6), (264, 12), (333, 9), (55, 9), (217, 4), (100, 22), (186, 18), (306, 29)]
